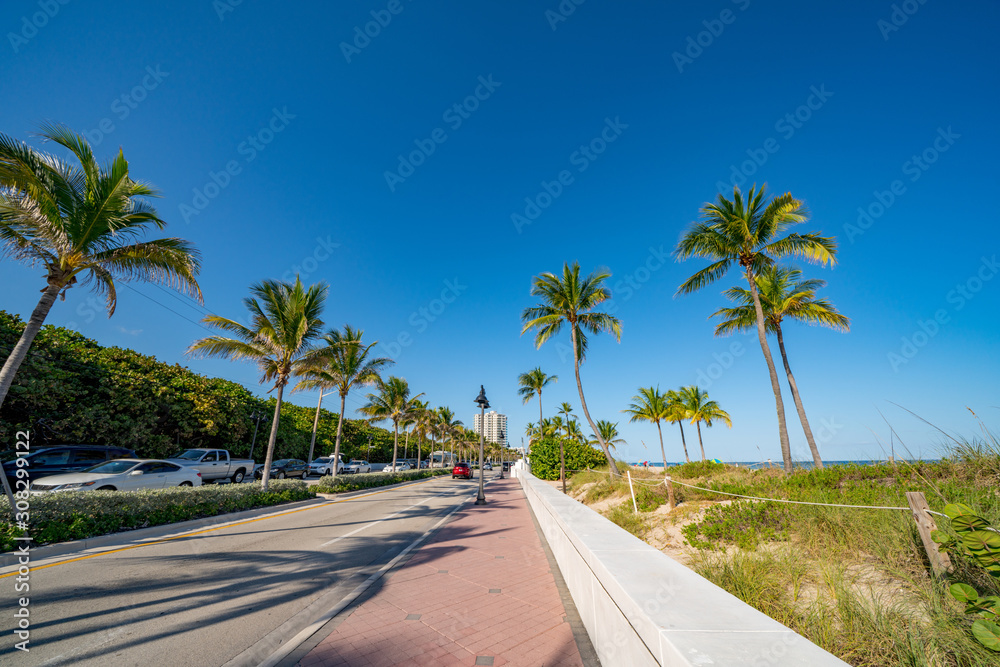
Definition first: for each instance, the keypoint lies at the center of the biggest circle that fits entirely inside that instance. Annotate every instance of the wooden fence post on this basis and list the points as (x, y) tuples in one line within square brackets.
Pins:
[(940, 563), (670, 494)]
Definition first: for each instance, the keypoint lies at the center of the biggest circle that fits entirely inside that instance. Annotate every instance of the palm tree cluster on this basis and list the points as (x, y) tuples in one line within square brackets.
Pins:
[(745, 231)]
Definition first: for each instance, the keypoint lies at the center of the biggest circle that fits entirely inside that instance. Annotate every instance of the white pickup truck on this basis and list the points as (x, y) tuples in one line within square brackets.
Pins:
[(214, 464)]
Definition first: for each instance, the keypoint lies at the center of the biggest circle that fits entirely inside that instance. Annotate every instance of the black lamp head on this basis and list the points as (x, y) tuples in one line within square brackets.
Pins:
[(481, 400)]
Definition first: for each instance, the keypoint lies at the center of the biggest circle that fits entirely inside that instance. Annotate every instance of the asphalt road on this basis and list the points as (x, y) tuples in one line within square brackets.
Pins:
[(226, 596)]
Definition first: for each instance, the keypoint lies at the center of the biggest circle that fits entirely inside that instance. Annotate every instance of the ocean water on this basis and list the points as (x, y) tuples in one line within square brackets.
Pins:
[(777, 464)]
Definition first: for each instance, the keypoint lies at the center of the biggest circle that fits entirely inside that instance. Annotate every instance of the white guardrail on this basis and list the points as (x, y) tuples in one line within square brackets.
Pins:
[(641, 607)]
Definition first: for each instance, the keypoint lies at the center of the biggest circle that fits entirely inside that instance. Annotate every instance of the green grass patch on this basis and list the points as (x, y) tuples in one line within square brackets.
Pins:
[(624, 516), (61, 517), (747, 524)]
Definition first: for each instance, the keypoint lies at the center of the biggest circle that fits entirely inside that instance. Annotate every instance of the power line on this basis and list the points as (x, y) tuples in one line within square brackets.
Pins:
[(190, 303), (146, 296)]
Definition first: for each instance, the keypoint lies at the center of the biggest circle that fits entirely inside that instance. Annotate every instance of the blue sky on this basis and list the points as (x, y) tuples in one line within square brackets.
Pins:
[(402, 167)]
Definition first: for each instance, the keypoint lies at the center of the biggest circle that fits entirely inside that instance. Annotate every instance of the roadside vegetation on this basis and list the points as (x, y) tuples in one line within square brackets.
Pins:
[(62, 517), (344, 483), (854, 581)]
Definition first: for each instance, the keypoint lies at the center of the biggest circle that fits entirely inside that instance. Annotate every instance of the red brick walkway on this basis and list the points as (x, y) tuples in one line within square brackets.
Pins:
[(479, 592)]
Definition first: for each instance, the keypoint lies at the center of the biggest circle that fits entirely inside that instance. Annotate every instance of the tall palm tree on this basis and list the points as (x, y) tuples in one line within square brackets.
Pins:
[(573, 431), (285, 323), (81, 222), (745, 231), (391, 402), (700, 409), (571, 300), (531, 385), (448, 428), (677, 414), (342, 363), (652, 406), (782, 295), (566, 410), (609, 432), (421, 425)]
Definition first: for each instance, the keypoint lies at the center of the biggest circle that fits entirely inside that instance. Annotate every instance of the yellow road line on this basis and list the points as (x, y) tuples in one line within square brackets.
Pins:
[(209, 530)]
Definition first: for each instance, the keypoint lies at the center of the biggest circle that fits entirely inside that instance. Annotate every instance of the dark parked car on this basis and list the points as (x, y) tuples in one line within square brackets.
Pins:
[(461, 470), (49, 460), (285, 468)]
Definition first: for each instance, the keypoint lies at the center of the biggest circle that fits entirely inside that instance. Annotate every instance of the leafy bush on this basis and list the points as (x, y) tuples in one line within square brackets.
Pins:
[(545, 457), (343, 483), (59, 517), (743, 523)]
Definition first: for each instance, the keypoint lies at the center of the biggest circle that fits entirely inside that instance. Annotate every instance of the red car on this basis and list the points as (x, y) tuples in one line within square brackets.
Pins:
[(461, 470)]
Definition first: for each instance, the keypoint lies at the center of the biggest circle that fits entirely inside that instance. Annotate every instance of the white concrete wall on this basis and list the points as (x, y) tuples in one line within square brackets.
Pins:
[(641, 607)]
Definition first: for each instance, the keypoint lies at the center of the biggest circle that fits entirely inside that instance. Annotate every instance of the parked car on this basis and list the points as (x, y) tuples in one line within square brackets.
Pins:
[(357, 466), (400, 467), (121, 475), (461, 470), (47, 460), (284, 468), (214, 464), (487, 466), (324, 466), (425, 463)]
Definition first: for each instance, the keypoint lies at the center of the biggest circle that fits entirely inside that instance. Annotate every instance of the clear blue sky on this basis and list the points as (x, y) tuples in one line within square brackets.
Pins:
[(829, 101)]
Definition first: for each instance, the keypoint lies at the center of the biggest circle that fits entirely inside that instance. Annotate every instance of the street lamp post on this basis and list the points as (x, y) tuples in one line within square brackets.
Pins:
[(256, 417), (483, 404), (502, 438)]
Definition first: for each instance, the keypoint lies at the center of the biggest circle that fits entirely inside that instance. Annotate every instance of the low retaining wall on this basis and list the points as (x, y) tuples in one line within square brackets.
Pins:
[(641, 607)]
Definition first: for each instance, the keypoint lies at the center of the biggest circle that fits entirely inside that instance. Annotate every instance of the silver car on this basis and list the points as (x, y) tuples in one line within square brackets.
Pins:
[(121, 475), (357, 466)]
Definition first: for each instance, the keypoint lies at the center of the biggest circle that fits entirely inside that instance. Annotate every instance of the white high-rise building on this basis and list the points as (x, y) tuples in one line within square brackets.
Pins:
[(495, 427)]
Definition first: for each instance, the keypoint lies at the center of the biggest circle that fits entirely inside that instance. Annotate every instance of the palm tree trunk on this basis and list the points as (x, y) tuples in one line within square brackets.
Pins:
[(684, 442), (700, 443), (336, 443), (266, 476), (779, 405), (312, 441), (31, 330), (583, 403), (562, 464), (395, 443), (662, 450), (419, 441), (817, 460)]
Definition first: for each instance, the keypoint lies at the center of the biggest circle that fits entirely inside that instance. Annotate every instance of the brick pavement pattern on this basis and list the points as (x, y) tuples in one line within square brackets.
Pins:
[(479, 592)]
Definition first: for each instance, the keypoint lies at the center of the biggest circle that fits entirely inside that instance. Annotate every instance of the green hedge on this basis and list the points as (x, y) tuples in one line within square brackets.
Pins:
[(545, 457), (61, 517), (342, 483)]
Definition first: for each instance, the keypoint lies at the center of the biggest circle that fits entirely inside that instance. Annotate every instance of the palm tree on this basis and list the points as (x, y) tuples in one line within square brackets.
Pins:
[(392, 402), (286, 322), (448, 427), (572, 300), (421, 425), (677, 414), (651, 406), (531, 385), (566, 410), (343, 363), (700, 409), (573, 431), (609, 432), (783, 295), (81, 222), (745, 231)]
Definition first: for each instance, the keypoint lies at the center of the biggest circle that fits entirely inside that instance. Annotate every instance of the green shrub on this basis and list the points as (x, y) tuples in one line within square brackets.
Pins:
[(59, 517), (624, 516), (343, 483), (743, 523), (545, 457)]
